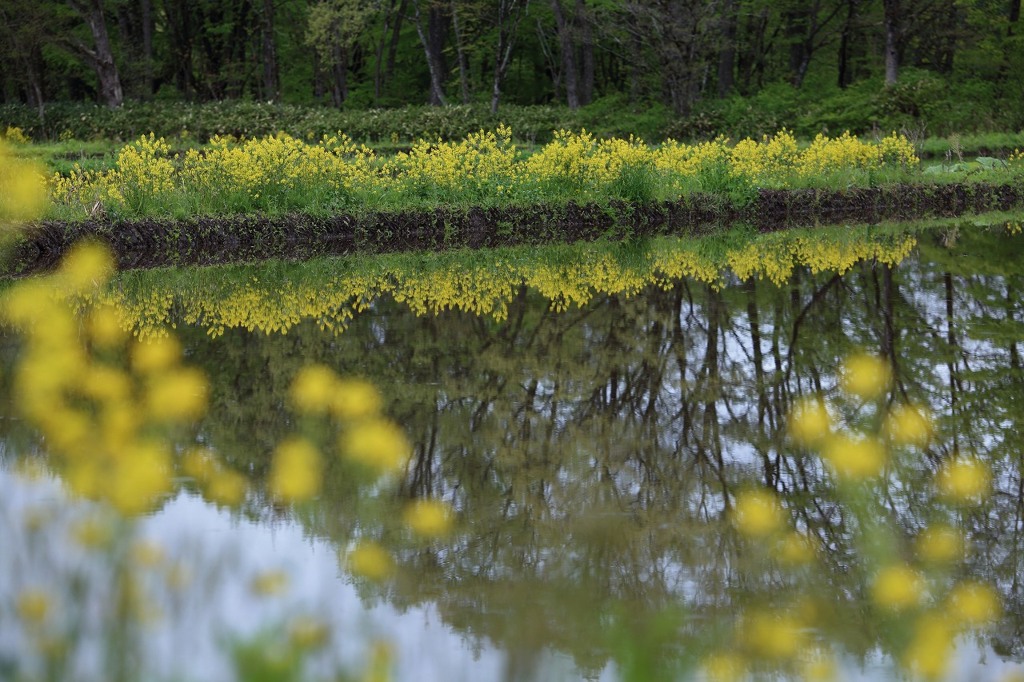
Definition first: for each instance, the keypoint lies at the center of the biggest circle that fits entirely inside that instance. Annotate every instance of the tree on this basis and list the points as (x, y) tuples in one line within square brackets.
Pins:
[(99, 55), (432, 38), (333, 29), (508, 15)]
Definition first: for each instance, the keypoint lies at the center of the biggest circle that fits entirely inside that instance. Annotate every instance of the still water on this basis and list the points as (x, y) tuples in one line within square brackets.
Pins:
[(595, 416)]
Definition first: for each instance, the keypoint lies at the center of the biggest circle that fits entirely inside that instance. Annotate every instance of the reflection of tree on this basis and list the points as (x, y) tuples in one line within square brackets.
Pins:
[(592, 453)]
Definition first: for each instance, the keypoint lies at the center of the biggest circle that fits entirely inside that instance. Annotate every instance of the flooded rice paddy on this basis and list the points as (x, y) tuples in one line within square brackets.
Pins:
[(796, 456)]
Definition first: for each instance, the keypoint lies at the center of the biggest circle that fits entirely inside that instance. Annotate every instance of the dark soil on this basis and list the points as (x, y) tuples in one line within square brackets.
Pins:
[(211, 240)]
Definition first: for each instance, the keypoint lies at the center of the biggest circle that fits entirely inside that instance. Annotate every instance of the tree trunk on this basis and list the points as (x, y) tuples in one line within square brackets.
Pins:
[(393, 47), (432, 39), (271, 80), (586, 30), (727, 50), (339, 74), (892, 41), (845, 76), (569, 73), (100, 56), (460, 52), (378, 67), (509, 14)]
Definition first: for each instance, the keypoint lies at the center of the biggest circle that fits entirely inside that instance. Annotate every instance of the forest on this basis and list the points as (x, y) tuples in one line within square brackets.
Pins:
[(675, 57)]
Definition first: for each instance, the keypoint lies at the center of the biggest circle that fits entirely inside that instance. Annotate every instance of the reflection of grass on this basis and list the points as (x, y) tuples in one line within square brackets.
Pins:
[(274, 296)]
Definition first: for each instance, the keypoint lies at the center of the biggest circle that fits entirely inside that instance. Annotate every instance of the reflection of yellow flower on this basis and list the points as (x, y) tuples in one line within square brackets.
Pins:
[(909, 425), (974, 603), (809, 422), (429, 518), (296, 470), (378, 444), (897, 587), (866, 376), (855, 458), (757, 513), (369, 560), (964, 479), (795, 549)]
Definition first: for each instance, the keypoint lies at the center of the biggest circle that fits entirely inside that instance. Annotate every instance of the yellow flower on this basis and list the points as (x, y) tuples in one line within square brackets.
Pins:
[(23, 193), (296, 472), (33, 606), (964, 479), (974, 603), (269, 583), (770, 635), (909, 425), (757, 513), (378, 444), (931, 647), (866, 376), (854, 459), (724, 668), (897, 587), (105, 327), (809, 422), (227, 487), (369, 560), (795, 549), (177, 396), (308, 633), (355, 399), (88, 265), (155, 354), (139, 478), (313, 388), (429, 518)]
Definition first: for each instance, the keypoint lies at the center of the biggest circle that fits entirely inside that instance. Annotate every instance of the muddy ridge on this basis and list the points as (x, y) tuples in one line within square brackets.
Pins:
[(155, 242)]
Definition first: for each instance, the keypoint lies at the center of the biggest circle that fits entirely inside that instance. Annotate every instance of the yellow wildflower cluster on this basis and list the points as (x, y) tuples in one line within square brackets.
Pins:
[(22, 189), (101, 422), (481, 161), (281, 172)]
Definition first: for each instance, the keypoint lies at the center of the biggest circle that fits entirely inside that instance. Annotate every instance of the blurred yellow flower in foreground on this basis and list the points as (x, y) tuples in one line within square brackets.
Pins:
[(429, 518), (155, 354), (296, 470), (866, 376), (378, 444), (897, 587), (355, 399), (809, 422), (772, 635), (855, 459), (369, 560), (910, 425), (974, 603), (177, 396), (87, 266), (724, 668), (313, 388), (23, 193), (939, 544), (757, 513), (269, 583), (964, 479), (930, 648), (33, 606)]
